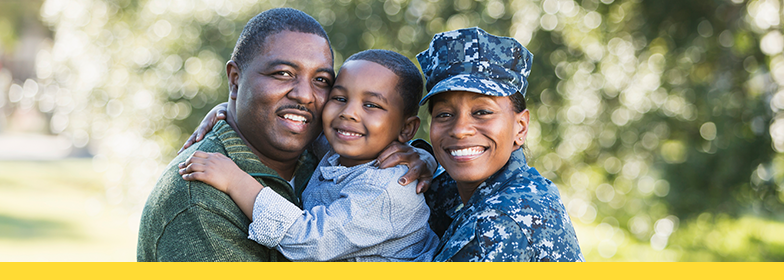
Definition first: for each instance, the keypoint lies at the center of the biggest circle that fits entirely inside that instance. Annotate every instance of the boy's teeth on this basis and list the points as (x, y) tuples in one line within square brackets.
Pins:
[(467, 152), (296, 118), (349, 133)]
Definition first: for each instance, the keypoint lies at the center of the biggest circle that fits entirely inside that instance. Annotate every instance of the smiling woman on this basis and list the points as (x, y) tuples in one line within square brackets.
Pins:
[(490, 205)]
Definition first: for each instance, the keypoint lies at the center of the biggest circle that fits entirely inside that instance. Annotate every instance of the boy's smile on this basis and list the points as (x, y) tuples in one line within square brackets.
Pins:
[(364, 112)]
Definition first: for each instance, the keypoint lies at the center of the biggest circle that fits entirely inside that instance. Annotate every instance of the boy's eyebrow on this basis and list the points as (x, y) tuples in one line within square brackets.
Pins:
[(377, 95)]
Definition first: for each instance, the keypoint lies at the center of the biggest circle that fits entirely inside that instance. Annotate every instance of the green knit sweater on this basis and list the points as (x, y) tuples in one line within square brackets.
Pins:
[(192, 221)]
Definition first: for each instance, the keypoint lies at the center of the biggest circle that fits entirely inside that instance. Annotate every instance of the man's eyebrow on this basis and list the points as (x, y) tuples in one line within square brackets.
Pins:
[(329, 71), (283, 62)]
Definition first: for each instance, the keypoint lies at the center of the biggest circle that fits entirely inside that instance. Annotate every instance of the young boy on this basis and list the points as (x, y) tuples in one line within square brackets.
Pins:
[(353, 210)]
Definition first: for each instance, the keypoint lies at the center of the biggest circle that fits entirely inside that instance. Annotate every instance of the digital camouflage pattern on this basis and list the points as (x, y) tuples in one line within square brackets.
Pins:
[(472, 60), (514, 215)]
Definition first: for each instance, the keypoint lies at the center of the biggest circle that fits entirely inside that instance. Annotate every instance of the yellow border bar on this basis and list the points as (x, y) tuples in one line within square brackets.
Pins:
[(402, 271)]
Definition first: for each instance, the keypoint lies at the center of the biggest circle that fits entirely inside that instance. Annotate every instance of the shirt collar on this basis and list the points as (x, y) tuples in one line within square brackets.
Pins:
[(333, 171)]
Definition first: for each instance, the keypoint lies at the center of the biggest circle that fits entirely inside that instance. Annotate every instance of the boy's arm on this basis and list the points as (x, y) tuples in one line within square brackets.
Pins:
[(220, 172), (352, 225)]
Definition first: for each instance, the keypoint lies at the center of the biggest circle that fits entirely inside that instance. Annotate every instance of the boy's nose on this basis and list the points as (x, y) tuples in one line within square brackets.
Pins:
[(349, 112)]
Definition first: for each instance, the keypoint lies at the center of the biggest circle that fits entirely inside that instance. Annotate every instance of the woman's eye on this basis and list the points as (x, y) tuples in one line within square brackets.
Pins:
[(443, 115), (482, 112)]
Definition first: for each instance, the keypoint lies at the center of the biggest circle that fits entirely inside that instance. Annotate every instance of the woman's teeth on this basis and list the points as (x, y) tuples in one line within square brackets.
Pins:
[(467, 152)]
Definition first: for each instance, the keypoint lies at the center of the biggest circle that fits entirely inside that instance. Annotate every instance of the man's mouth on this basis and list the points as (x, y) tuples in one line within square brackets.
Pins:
[(467, 152), (296, 118)]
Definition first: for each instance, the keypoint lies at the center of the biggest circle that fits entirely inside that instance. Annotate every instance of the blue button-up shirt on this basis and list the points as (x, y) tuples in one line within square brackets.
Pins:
[(514, 215), (357, 213)]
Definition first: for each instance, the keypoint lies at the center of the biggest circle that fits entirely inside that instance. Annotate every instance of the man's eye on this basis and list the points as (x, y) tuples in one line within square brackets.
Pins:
[(323, 80), (283, 74)]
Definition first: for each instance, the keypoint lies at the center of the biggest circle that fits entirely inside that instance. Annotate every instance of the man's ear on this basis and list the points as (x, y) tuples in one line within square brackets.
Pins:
[(233, 74), (410, 128), (521, 127)]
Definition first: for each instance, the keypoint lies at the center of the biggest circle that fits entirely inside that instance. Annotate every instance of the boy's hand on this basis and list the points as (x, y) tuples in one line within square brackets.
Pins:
[(419, 164), (215, 169), (217, 113)]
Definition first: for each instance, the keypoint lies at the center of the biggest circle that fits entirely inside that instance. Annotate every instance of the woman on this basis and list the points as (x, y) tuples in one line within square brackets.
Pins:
[(489, 205)]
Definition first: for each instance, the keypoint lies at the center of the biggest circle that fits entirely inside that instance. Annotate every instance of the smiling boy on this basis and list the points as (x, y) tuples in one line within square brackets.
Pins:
[(353, 210)]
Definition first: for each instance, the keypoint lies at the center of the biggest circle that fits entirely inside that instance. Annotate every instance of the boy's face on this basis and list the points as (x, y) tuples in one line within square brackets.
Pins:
[(364, 112)]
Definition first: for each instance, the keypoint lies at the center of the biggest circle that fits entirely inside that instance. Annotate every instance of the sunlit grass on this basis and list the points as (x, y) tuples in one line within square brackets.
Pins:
[(56, 211)]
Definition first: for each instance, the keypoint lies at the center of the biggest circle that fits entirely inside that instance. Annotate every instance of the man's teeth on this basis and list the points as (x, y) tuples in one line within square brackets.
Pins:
[(296, 118), (349, 133), (467, 152)]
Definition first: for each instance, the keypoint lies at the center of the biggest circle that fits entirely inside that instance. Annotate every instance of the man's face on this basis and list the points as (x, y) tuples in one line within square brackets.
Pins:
[(280, 93)]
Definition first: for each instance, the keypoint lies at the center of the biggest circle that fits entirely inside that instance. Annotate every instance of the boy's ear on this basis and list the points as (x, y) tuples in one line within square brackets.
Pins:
[(233, 75), (521, 127), (410, 128)]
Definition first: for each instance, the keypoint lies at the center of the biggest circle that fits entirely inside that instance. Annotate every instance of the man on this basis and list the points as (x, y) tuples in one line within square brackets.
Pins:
[(279, 77)]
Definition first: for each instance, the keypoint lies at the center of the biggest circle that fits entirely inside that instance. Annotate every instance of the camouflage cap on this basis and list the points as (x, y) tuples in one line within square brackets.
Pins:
[(472, 60)]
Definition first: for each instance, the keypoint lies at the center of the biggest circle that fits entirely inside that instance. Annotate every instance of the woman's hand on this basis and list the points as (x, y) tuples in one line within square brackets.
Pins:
[(217, 113), (421, 165)]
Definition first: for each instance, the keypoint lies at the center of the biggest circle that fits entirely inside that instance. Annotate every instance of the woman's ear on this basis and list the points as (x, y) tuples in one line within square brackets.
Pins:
[(410, 128), (521, 127), (233, 75)]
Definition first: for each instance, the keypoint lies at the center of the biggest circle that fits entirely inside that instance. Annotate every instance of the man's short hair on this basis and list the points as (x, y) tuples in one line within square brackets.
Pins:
[(410, 81), (268, 23)]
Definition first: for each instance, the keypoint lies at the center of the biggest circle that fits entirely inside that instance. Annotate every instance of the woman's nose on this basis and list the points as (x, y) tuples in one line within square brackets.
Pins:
[(462, 127)]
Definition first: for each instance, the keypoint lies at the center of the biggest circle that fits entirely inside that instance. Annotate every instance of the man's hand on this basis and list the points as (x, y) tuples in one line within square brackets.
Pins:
[(421, 165), (213, 116)]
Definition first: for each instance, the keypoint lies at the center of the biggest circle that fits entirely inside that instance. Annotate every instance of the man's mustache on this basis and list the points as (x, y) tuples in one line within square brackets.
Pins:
[(296, 107)]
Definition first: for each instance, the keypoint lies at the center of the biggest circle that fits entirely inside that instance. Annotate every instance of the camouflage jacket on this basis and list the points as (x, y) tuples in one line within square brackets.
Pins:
[(514, 215)]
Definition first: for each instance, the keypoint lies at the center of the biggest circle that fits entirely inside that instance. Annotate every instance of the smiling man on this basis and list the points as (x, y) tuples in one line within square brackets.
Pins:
[(279, 76)]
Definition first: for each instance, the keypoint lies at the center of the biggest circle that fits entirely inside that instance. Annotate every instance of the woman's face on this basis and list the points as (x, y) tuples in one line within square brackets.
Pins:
[(473, 135)]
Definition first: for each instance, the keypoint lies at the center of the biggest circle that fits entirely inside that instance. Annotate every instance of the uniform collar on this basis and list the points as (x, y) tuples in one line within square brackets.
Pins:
[(493, 184)]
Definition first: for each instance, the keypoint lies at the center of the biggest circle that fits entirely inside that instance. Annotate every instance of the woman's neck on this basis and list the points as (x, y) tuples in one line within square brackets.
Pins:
[(466, 190)]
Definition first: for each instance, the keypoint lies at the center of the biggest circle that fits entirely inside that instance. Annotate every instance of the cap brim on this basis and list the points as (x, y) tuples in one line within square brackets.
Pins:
[(473, 84)]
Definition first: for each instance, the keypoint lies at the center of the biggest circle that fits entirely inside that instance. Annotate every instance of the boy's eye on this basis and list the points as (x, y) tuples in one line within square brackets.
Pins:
[(339, 98), (371, 105)]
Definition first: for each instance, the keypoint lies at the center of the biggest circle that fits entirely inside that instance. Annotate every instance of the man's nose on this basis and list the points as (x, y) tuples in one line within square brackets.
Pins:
[(303, 92)]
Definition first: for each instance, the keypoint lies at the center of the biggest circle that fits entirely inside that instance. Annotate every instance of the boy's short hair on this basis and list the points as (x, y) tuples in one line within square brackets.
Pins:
[(410, 81), (270, 22)]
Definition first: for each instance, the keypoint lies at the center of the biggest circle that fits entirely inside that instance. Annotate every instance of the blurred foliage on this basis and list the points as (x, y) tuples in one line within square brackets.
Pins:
[(649, 115)]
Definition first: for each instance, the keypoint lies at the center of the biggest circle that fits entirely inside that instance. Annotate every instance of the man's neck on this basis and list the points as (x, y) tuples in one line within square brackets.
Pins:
[(285, 168)]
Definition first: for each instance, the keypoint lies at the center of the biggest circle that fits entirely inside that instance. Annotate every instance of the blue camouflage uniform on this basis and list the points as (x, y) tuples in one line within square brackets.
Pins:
[(515, 214)]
